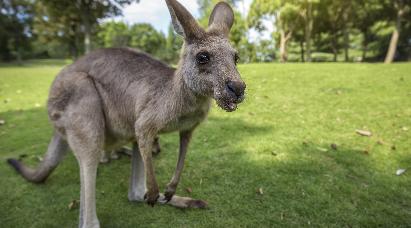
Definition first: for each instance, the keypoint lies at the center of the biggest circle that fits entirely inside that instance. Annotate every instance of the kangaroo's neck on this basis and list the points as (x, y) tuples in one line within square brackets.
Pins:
[(186, 99)]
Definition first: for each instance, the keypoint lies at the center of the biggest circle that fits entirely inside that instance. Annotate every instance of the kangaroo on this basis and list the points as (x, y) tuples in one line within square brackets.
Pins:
[(114, 96)]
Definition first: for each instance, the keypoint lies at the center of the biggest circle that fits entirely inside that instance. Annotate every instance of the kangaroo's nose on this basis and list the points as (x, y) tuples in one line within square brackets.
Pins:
[(237, 87)]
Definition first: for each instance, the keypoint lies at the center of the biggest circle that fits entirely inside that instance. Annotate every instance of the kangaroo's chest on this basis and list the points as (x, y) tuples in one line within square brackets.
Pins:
[(187, 120)]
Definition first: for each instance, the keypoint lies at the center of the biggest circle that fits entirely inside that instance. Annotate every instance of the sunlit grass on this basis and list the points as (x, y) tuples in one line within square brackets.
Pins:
[(278, 140)]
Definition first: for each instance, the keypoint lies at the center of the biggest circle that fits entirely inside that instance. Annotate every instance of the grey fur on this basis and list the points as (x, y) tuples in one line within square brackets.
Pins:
[(115, 96)]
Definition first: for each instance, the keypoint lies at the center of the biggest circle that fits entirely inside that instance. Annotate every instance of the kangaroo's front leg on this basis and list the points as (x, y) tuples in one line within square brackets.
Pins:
[(185, 137), (145, 144), (138, 186)]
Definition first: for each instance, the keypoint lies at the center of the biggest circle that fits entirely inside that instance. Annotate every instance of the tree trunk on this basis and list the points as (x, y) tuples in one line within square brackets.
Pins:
[(346, 35), (87, 35), (364, 51), (302, 52), (19, 58), (364, 44), (334, 47), (283, 46), (346, 45), (85, 11), (308, 30), (394, 38), (335, 55), (73, 50)]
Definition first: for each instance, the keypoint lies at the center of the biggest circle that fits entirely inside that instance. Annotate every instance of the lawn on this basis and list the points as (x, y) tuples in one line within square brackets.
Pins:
[(268, 164)]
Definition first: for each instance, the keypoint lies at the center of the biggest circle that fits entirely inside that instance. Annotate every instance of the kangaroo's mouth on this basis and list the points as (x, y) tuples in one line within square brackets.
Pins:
[(227, 106), (228, 103), (230, 95)]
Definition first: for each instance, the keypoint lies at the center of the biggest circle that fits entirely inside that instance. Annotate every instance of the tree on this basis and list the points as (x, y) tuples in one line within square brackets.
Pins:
[(288, 17), (52, 26), (15, 28), (401, 7), (331, 24), (173, 45), (144, 37), (89, 12), (113, 34), (308, 16), (366, 14)]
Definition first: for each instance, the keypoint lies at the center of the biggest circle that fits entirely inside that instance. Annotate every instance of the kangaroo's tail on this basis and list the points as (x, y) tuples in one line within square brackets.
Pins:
[(58, 147)]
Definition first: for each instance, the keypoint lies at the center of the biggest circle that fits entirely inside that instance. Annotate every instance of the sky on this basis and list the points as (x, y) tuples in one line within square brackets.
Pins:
[(156, 13)]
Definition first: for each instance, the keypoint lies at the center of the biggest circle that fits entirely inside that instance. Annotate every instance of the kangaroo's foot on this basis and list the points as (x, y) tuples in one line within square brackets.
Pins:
[(104, 158), (170, 191), (115, 155), (183, 202), (152, 197)]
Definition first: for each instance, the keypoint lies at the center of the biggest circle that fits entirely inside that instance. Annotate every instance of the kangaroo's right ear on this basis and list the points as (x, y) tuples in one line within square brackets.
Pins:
[(183, 22)]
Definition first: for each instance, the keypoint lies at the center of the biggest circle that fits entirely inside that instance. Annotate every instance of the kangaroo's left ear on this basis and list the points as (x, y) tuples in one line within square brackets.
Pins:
[(221, 19), (183, 22)]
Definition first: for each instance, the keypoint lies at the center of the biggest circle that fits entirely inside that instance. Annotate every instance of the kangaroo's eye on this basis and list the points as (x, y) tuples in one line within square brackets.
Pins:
[(236, 58), (203, 58)]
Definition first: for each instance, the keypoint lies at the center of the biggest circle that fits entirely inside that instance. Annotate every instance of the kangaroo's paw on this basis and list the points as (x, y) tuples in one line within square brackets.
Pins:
[(104, 160), (125, 150), (114, 155), (169, 193), (183, 202), (151, 197)]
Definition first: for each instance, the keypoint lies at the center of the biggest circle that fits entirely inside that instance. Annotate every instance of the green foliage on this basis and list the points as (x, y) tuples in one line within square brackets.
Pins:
[(63, 28), (113, 34), (278, 140), (15, 26), (173, 46), (141, 36), (146, 38)]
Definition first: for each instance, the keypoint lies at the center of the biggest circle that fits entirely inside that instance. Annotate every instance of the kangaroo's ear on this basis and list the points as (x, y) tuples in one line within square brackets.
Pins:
[(222, 18), (183, 22)]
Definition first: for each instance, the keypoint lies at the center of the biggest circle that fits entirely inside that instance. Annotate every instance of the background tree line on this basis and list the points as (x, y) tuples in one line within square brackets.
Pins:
[(304, 30)]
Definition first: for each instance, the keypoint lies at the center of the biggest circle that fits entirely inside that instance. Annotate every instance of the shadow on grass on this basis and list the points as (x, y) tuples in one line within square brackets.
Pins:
[(302, 185)]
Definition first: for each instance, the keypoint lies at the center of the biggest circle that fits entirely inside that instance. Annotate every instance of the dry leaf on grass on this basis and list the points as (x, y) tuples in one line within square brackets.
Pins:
[(380, 142), (73, 204), (334, 146), (363, 132), (322, 149), (400, 171), (260, 191), (189, 190), (2, 122)]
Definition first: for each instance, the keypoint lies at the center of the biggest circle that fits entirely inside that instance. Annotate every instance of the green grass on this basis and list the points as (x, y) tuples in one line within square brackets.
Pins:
[(279, 140)]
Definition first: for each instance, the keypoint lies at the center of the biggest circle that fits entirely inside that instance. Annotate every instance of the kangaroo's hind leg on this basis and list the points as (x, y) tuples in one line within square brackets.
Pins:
[(84, 127), (137, 188)]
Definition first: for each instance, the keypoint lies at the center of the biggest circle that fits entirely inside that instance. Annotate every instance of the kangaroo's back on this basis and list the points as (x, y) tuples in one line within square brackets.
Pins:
[(112, 65), (121, 76)]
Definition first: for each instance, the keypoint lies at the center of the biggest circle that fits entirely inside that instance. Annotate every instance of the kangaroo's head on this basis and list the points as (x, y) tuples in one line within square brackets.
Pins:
[(208, 61)]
